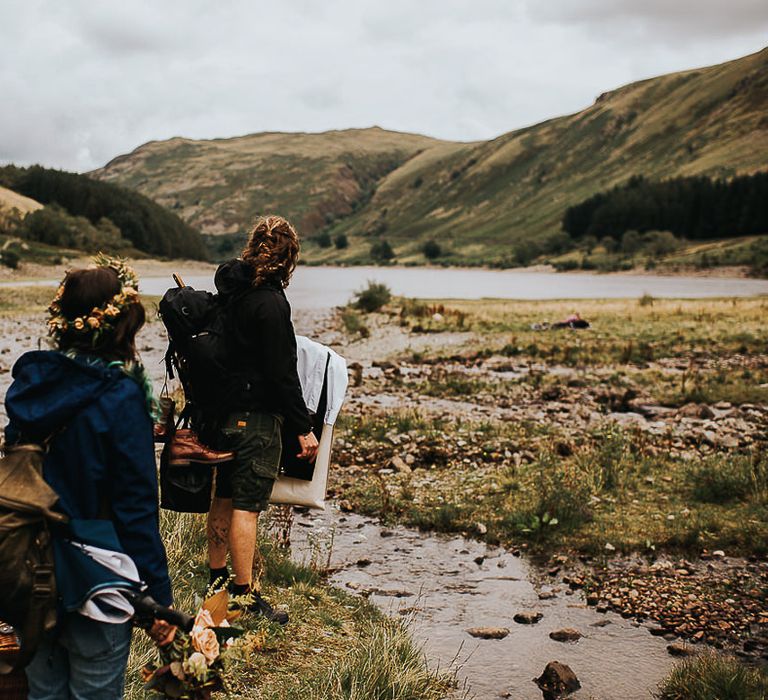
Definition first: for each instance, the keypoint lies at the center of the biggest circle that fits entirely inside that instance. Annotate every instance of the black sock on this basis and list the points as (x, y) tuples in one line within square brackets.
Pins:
[(220, 575), (241, 588)]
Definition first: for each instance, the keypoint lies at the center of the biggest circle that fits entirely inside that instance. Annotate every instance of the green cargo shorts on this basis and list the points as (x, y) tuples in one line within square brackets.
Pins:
[(256, 441)]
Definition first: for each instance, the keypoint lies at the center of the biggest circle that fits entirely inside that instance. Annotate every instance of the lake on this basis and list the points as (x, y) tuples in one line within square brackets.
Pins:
[(324, 287)]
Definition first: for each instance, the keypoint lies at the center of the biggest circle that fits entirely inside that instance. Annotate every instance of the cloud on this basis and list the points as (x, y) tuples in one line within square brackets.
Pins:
[(658, 20), (83, 82)]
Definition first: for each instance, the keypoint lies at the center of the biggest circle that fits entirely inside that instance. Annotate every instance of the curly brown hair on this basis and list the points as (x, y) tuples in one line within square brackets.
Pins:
[(272, 250)]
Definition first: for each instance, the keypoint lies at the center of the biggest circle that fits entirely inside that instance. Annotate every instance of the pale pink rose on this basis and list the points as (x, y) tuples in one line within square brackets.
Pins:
[(205, 641), (177, 669), (196, 665), (204, 619)]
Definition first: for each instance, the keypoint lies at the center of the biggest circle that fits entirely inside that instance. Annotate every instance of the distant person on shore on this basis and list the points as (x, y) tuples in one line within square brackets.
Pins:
[(574, 321), (92, 399), (262, 393)]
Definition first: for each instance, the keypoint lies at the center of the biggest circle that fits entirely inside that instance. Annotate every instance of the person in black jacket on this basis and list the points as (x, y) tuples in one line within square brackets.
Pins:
[(263, 393)]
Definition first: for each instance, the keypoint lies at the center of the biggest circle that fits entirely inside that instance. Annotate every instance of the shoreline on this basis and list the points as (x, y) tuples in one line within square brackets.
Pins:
[(154, 267), (145, 267), (721, 272)]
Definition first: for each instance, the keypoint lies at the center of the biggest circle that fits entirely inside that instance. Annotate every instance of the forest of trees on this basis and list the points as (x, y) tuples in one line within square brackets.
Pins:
[(696, 208), (144, 224)]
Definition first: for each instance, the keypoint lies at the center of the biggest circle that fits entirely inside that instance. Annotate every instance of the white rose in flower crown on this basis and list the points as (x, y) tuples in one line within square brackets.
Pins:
[(196, 665)]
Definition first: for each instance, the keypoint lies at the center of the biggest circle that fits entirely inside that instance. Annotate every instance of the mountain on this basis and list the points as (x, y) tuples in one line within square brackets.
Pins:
[(221, 185), (477, 200)]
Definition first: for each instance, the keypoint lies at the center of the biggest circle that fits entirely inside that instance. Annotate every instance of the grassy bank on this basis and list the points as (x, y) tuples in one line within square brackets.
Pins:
[(624, 333), (20, 301), (523, 484), (336, 646), (564, 457)]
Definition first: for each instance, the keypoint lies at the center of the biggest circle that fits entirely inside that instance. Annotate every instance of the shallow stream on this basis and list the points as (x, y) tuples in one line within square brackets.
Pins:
[(448, 584)]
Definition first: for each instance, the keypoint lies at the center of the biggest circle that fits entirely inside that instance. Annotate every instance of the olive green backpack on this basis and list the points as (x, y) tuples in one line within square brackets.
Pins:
[(27, 582)]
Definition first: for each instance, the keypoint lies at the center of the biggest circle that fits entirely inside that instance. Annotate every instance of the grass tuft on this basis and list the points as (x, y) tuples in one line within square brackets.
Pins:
[(714, 677), (387, 665), (353, 323), (721, 479), (373, 297)]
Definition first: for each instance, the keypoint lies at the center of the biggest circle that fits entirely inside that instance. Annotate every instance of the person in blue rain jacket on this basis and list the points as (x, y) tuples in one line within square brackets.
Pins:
[(91, 399)]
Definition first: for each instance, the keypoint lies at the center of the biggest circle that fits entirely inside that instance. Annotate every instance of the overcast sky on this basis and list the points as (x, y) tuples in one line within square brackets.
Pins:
[(82, 81)]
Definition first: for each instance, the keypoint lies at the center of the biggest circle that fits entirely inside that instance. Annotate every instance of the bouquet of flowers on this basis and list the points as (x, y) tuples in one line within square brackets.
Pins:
[(192, 666)]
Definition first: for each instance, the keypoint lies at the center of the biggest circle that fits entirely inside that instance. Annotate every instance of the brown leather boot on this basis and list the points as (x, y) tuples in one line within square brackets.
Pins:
[(186, 447)]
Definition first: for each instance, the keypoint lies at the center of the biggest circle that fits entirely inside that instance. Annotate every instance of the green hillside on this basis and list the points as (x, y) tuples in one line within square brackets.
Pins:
[(479, 200), (90, 215)]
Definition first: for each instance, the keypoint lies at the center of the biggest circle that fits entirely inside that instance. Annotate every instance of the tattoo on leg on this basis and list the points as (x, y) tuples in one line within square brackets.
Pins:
[(218, 535)]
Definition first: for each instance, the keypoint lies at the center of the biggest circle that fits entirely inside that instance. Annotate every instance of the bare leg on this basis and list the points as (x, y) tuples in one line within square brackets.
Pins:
[(242, 541), (217, 531)]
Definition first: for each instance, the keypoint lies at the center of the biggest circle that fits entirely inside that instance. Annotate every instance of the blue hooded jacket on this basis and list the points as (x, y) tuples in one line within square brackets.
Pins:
[(101, 461)]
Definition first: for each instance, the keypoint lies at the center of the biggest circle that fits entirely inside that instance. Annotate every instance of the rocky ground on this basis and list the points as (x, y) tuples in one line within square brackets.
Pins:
[(437, 424)]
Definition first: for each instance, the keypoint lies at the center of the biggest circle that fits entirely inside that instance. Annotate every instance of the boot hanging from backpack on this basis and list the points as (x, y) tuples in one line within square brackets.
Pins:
[(185, 447)]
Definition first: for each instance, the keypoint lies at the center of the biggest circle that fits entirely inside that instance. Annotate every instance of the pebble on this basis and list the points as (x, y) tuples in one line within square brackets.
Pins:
[(680, 649), (529, 617), (488, 632), (566, 634)]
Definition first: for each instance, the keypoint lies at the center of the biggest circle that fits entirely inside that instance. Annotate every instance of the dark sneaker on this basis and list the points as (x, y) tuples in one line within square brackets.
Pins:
[(262, 607), (252, 602), (216, 585)]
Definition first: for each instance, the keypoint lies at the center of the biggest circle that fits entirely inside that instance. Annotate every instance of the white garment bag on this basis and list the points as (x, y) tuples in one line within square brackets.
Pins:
[(316, 364)]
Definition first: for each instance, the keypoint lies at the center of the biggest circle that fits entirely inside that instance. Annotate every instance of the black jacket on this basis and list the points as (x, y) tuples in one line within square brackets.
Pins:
[(263, 346)]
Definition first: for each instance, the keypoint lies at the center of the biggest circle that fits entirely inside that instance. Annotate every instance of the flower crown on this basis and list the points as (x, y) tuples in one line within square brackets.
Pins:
[(101, 319)]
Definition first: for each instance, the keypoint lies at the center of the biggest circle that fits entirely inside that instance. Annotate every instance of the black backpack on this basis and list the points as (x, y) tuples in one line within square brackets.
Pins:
[(198, 350)]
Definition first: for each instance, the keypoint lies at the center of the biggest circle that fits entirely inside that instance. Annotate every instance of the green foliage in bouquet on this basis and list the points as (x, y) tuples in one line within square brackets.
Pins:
[(194, 664)]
